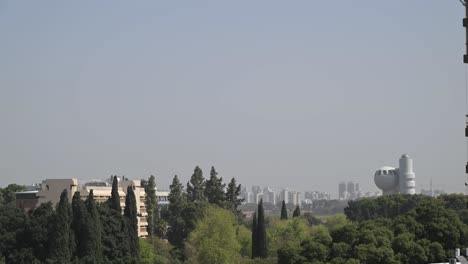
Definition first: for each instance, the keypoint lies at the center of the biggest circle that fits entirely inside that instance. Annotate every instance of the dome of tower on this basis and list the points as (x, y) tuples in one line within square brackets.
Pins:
[(386, 178)]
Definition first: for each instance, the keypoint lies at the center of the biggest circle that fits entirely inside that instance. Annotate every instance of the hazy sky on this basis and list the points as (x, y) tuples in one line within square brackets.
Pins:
[(284, 93)]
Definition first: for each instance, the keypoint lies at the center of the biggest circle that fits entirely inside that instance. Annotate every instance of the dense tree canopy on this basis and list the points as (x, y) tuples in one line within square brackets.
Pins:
[(214, 239), (403, 229)]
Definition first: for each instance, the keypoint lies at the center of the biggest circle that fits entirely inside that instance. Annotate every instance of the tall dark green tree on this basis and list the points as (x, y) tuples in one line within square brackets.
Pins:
[(12, 224), (297, 212), (130, 213), (177, 204), (254, 236), (78, 224), (215, 188), (151, 205), (114, 235), (39, 229), (60, 243), (114, 200), (196, 186), (261, 232), (284, 211), (92, 232), (232, 195)]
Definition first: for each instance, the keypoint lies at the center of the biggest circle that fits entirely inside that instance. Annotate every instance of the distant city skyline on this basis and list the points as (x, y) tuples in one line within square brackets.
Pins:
[(304, 94)]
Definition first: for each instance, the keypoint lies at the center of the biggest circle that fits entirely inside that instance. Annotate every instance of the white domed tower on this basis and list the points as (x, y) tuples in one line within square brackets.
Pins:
[(397, 180), (386, 178), (407, 177)]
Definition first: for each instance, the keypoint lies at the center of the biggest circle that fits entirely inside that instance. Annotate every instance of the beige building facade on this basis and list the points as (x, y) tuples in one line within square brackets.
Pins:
[(50, 190)]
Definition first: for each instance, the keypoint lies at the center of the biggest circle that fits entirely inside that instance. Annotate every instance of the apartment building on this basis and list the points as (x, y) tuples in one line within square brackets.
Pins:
[(50, 190)]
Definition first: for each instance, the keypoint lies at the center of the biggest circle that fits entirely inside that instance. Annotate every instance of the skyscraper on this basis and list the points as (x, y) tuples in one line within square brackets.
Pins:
[(342, 190)]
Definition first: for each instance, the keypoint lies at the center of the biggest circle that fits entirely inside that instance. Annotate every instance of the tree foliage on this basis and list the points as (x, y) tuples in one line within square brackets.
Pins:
[(151, 203), (233, 195), (214, 239), (92, 231), (196, 186), (284, 211), (114, 200), (61, 240), (297, 211), (130, 213), (215, 189), (261, 239)]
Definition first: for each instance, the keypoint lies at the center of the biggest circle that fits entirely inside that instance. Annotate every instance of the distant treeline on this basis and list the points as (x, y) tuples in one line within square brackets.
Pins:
[(317, 207)]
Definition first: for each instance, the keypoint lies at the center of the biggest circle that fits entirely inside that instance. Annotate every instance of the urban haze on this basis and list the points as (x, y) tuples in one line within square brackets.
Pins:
[(302, 94)]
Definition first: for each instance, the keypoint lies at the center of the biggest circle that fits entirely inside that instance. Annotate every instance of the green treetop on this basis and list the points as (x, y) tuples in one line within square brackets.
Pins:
[(114, 200), (215, 188), (297, 212), (60, 243), (196, 186), (151, 204), (284, 211), (261, 232), (92, 231), (177, 204), (232, 195), (78, 223), (130, 213)]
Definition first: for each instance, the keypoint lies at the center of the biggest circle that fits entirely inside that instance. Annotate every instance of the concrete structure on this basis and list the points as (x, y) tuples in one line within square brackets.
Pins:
[(51, 189), (342, 191), (294, 198), (350, 188), (397, 180), (284, 195), (26, 200), (316, 195), (256, 190), (102, 193), (162, 197), (269, 196)]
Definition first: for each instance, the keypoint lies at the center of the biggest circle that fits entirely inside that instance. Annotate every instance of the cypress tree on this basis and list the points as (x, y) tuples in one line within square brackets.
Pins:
[(284, 212), (261, 232), (130, 214), (114, 200), (215, 188), (254, 236), (232, 195), (297, 212), (92, 232), (113, 234), (60, 248), (151, 205), (78, 224), (196, 186)]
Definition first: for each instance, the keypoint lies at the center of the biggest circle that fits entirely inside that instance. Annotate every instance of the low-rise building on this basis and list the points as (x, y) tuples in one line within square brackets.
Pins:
[(51, 189)]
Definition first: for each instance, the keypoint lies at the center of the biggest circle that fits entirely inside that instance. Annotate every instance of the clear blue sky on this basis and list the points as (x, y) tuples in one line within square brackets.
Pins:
[(286, 93)]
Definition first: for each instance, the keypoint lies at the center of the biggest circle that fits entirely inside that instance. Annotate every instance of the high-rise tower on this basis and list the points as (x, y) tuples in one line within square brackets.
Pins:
[(400, 180)]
